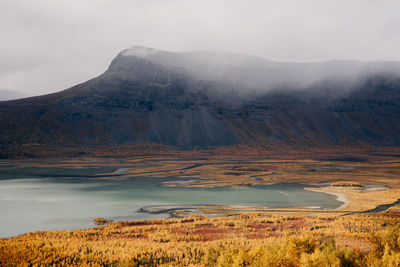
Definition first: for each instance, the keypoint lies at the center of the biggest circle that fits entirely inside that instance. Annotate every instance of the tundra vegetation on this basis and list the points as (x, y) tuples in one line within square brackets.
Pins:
[(252, 239), (346, 184), (291, 237), (100, 221)]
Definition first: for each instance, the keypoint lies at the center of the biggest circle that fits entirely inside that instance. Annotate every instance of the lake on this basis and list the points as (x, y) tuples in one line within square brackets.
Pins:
[(68, 198)]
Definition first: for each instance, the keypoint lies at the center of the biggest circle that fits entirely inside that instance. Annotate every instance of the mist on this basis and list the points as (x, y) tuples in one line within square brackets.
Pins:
[(6, 94), (49, 46), (253, 75)]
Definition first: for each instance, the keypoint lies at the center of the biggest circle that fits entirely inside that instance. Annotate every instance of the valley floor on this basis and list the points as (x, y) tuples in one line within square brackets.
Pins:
[(252, 239), (227, 237)]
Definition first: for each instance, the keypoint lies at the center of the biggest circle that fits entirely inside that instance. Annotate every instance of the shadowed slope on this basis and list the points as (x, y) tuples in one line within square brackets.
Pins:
[(201, 99)]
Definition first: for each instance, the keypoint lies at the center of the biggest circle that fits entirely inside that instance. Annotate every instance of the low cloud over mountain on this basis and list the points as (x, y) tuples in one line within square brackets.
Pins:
[(6, 94), (202, 99)]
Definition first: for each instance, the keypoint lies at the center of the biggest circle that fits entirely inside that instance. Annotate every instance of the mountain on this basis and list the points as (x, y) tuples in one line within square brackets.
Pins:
[(203, 99)]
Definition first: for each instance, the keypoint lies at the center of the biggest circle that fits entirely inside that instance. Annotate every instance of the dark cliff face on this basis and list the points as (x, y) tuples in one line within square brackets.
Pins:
[(202, 99)]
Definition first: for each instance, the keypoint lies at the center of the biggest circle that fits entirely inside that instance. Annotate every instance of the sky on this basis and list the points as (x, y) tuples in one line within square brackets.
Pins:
[(51, 45)]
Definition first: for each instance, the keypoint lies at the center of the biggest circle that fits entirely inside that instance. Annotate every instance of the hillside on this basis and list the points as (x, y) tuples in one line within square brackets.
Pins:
[(205, 99)]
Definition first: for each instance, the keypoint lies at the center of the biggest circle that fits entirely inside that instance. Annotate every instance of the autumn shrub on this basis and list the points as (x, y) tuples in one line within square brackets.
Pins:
[(346, 184), (243, 240), (100, 221)]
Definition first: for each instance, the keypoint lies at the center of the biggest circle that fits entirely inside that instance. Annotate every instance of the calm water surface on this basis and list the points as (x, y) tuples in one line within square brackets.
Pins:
[(68, 198)]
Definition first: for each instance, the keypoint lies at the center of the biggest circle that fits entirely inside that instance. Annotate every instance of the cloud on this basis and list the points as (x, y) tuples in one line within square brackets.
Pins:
[(51, 45), (10, 95)]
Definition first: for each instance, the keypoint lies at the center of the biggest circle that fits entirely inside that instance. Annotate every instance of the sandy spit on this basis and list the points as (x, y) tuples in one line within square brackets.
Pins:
[(339, 197)]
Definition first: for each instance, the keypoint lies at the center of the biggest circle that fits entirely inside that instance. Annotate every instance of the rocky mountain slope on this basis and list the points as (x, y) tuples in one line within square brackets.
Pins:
[(203, 99)]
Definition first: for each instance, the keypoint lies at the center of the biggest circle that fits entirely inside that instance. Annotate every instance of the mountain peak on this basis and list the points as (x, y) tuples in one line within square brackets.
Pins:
[(245, 72), (203, 99), (139, 51)]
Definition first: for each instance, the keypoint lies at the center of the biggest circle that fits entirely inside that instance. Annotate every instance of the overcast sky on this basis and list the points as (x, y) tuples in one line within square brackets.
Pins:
[(50, 45)]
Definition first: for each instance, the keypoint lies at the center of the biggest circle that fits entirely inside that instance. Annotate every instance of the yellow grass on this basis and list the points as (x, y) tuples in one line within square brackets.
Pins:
[(252, 239), (285, 237), (346, 184), (100, 221), (364, 200)]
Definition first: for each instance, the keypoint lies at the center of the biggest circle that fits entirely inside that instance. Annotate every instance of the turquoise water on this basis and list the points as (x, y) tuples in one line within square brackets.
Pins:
[(67, 198)]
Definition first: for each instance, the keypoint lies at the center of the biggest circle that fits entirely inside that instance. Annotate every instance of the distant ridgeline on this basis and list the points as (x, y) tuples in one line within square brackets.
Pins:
[(202, 99)]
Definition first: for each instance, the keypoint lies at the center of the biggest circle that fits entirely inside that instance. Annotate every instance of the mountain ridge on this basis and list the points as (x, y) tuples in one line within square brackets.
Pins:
[(149, 96)]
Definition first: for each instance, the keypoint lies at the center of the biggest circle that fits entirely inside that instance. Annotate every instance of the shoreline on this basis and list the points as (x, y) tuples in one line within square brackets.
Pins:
[(339, 196)]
